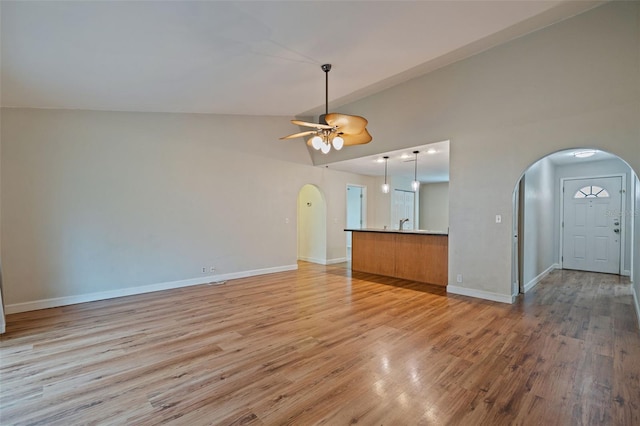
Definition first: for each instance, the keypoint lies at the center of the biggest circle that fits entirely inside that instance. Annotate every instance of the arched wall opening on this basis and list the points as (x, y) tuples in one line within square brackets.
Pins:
[(312, 225), (538, 214)]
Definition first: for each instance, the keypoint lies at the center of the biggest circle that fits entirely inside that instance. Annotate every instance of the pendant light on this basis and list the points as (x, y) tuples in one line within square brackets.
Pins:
[(385, 185), (415, 185)]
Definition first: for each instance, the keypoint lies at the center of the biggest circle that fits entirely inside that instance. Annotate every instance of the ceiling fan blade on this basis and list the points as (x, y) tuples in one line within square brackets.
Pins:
[(357, 139), (307, 124), (351, 128), (347, 124), (297, 135)]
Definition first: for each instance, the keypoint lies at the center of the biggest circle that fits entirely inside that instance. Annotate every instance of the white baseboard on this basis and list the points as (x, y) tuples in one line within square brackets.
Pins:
[(636, 303), (130, 291), (528, 286), (322, 261), (487, 295), (626, 273), (313, 260)]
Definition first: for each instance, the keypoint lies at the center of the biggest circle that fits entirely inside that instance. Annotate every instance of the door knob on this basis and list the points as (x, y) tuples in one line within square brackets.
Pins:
[(617, 231)]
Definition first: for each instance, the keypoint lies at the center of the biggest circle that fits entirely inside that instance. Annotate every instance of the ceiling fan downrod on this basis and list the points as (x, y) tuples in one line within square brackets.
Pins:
[(326, 68)]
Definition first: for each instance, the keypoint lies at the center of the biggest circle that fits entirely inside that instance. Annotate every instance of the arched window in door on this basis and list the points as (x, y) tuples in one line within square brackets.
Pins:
[(591, 191)]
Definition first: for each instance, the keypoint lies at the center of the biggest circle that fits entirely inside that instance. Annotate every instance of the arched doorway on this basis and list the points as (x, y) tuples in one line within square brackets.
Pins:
[(312, 225), (542, 200)]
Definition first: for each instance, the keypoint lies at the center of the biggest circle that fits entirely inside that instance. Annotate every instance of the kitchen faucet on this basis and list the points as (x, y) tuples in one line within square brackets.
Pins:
[(402, 222)]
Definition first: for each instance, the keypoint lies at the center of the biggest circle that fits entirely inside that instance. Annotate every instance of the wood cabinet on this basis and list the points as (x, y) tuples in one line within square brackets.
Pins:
[(413, 256)]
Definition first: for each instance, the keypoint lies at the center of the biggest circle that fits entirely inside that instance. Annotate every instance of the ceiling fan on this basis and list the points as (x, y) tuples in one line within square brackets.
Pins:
[(333, 129)]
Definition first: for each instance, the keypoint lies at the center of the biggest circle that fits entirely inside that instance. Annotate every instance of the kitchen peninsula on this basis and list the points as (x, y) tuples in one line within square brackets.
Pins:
[(415, 255)]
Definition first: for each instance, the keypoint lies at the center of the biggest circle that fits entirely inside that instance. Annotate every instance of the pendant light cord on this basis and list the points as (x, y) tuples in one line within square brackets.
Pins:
[(386, 160)]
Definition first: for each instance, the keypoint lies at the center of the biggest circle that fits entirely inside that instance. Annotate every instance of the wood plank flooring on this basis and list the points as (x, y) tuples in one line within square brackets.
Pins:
[(324, 346)]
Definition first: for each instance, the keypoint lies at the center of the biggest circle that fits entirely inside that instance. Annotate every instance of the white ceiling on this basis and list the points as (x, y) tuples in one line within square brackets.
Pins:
[(240, 57), (562, 158), (433, 163)]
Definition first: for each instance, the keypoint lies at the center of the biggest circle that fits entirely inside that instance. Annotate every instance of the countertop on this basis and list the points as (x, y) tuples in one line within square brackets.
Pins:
[(396, 231)]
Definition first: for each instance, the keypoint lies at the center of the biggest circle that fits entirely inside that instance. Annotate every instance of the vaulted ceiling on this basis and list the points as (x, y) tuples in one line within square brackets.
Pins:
[(241, 57)]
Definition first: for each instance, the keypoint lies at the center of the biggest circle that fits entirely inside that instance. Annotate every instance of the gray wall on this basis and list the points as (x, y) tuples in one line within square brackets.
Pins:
[(434, 206), (573, 84), (539, 237), (2, 316), (101, 201), (380, 214)]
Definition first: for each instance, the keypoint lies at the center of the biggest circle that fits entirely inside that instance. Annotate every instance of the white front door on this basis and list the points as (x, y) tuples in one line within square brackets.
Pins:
[(591, 229)]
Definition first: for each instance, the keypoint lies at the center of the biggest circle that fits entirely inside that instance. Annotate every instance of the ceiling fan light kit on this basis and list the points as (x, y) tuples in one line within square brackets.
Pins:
[(334, 129)]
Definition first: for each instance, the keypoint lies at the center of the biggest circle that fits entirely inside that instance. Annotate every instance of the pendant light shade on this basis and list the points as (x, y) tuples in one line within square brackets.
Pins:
[(415, 185), (385, 185), (325, 148)]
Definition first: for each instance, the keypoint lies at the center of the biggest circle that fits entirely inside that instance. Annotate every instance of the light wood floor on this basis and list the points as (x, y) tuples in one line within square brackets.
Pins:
[(317, 346)]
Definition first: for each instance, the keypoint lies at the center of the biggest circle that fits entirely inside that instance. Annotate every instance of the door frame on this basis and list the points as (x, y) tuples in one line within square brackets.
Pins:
[(623, 218), (363, 207), (517, 244), (363, 211)]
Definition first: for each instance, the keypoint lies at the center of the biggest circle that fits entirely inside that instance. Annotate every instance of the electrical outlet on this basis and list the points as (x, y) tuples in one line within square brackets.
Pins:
[(459, 278), (498, 218), (204, 270), (212, 269)]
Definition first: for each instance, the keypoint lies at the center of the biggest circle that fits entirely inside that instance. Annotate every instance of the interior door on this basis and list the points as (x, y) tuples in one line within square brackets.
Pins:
[(403, 208), (410, 209), (591, 230), (354, 209)]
